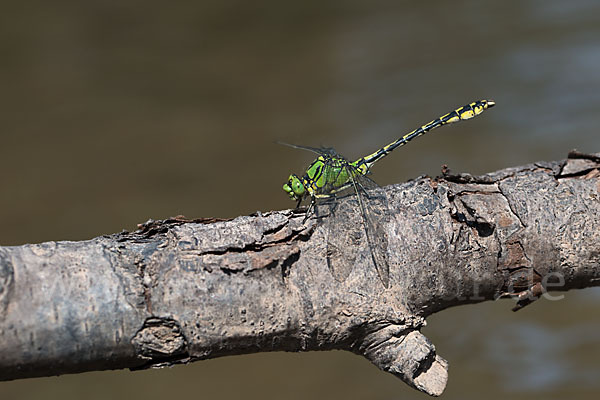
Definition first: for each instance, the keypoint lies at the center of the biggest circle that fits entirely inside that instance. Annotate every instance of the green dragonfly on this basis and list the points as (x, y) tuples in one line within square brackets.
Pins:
[(331, 176)]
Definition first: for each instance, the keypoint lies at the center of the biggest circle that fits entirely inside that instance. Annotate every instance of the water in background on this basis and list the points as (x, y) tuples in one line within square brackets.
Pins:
[(114, 113)]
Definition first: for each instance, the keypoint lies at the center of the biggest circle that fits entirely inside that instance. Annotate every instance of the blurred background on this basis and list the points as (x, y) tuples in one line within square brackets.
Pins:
[(114, 112)]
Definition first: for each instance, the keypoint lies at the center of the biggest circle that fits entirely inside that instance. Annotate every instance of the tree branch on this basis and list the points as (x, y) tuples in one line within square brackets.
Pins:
[(176, 291)]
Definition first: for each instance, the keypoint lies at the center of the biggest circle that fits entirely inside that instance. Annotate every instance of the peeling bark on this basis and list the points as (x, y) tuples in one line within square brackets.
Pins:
[(176, 291)]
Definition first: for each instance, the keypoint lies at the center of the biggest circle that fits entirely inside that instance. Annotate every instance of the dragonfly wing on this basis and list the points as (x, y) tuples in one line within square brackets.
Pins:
[(367, 208), (343, 239), (317, 150), (374, 209)]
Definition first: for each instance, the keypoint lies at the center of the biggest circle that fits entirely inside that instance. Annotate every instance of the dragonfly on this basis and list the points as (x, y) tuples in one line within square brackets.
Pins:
[(331, 177)]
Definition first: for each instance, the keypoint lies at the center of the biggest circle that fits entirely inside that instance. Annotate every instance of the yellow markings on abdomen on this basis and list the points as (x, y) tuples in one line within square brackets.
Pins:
[(460, 114)]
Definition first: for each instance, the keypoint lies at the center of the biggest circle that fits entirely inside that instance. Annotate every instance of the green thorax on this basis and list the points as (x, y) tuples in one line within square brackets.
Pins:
[(329, 173)]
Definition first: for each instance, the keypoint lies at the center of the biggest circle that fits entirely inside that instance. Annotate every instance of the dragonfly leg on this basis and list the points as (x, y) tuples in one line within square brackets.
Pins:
[(334, 203), (311, 207), (362, 188)]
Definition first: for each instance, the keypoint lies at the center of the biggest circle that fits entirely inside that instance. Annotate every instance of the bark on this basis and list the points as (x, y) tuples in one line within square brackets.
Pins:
[(176, 291)]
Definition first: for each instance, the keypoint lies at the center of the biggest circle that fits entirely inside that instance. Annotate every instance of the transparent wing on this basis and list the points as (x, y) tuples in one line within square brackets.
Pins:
[(317, 150), (374, 207), (343, 239), (368, 209)]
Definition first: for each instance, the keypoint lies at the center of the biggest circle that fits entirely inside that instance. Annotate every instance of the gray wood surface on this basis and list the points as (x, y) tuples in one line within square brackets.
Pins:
[(176, 291)]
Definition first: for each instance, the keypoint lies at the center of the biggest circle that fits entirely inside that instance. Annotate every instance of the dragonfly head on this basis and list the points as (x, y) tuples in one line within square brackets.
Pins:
[(294, 187)]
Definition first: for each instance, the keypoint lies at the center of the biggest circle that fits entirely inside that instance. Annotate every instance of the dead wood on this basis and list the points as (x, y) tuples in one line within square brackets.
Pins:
[(176, 291)]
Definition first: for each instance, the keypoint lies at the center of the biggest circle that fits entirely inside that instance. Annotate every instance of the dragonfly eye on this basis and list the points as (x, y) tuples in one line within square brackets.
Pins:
[(294, 187), (297, 186)]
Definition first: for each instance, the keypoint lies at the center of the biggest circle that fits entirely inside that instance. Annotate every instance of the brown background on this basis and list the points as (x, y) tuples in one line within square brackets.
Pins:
[(114, 112)]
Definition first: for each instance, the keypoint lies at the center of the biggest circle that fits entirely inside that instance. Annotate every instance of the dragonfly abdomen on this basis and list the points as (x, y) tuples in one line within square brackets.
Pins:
[(460, 114)]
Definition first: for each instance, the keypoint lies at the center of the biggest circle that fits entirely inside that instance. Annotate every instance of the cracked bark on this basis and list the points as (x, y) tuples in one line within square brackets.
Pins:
[(176, 291)]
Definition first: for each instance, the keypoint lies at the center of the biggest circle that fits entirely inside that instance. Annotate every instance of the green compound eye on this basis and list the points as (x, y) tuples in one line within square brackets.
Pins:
[(298, 186), (294, 187)]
